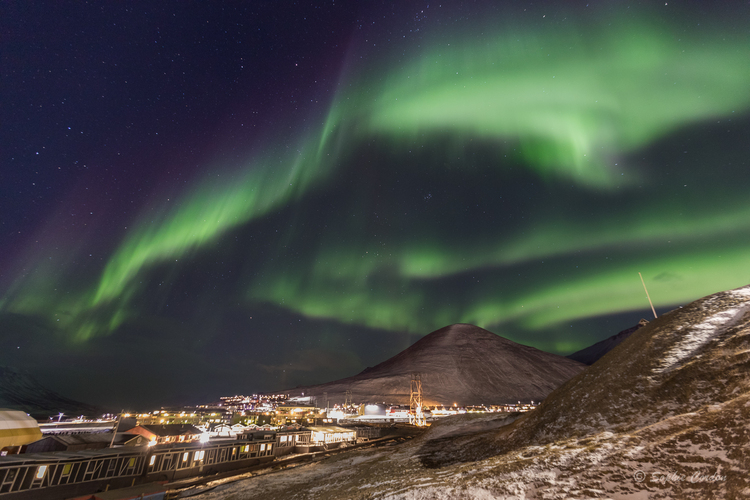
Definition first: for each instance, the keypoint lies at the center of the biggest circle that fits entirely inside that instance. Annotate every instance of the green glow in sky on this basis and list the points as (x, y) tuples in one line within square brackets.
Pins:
[(572, 104), (570, 110)]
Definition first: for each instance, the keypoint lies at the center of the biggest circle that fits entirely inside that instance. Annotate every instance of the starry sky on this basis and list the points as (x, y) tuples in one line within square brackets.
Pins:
[(201, 199)]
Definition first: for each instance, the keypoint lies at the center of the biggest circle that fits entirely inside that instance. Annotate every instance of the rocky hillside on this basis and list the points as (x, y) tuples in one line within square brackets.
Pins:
[(461, 364), (666, 414), (691, 359)]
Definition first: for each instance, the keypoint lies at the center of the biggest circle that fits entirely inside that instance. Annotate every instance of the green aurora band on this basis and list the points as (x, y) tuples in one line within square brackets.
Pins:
[(568, 108)]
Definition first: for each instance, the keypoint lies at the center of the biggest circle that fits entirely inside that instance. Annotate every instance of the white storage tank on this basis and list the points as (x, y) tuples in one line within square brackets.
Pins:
[(17, 429)]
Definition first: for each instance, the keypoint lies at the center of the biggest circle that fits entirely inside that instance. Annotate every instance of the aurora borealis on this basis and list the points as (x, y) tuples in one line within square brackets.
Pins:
[(257, 202)]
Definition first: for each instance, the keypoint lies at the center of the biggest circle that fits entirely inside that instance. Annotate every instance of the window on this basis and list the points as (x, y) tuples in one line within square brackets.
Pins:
[(66, 469), (185, 457), (152, 461), (40, 472)]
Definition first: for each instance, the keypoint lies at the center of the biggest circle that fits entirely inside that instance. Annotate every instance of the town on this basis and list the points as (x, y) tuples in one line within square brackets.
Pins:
[(120, 456)]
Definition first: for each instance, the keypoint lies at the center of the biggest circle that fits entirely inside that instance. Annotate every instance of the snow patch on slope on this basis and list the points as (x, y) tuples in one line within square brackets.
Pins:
[(699, 335)]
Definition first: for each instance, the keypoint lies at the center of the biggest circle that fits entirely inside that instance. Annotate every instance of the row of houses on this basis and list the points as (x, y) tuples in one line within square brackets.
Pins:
[(22, 434), (66, 466)]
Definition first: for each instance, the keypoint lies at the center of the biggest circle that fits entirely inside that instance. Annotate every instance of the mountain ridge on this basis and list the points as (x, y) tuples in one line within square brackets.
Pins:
[(20, 391), (592, 353)]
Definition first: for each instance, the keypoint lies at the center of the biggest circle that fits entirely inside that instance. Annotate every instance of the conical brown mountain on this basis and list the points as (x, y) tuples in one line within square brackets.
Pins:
[(461, 364)]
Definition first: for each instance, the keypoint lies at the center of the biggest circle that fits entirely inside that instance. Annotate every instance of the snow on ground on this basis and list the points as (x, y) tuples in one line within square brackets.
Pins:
[(699, 335)]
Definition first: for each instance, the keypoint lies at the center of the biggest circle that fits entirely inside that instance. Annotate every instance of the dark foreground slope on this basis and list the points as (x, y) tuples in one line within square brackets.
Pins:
[(461, 364), (666, 414), (19, 391)]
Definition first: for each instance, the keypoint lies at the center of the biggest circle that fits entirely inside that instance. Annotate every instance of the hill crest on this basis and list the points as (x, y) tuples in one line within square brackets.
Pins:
[(460, 363)]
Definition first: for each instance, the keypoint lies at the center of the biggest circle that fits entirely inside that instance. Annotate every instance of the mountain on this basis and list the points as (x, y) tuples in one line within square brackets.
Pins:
[(685, 366), (592, 353), (461, 364), (665, 414), (19, 391)]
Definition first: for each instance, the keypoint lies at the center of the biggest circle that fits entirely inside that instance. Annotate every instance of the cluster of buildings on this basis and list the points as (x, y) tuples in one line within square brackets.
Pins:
[(85, 459), (69, 456), (229, 417)]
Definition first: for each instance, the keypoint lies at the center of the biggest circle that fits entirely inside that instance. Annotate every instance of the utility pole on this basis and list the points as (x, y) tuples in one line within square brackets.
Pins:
[(114, 429)]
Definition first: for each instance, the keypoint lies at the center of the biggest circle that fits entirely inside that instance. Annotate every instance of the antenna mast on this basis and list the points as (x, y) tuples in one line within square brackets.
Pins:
[(649, 298)]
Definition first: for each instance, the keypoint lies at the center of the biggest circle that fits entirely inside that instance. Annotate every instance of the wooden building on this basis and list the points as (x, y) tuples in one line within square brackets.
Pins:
[(332, 434), (168, 433), (78, 442), (290, 413)]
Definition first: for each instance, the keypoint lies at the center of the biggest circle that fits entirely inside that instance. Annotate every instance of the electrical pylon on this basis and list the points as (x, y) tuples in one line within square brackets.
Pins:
[(416, 415)]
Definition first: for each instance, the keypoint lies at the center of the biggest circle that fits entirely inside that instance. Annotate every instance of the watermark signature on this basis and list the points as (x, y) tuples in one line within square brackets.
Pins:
[(662, 477)]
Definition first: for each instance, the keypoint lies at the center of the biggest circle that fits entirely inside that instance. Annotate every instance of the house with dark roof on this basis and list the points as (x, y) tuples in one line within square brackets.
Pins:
[(78, 442), (168, 433)]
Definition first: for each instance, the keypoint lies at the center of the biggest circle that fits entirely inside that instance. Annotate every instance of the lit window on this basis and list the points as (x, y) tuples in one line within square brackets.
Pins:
[(41, 471), (66, 469), (185, 457), (153, 460), (262, 447)]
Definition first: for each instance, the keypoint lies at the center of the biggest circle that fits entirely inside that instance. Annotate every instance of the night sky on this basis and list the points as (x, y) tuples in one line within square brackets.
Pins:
[(201, 199)]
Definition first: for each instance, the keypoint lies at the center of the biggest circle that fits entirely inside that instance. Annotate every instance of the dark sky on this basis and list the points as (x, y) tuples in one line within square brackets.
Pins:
[(201, 199)]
